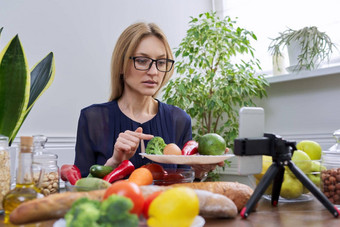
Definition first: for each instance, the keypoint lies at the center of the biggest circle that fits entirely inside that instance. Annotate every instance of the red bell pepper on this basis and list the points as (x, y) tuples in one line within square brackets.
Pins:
[(70, 173), (125, 168), (190, 148)]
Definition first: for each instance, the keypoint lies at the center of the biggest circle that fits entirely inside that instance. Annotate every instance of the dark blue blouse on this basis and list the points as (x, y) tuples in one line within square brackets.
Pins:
[(100, 124)]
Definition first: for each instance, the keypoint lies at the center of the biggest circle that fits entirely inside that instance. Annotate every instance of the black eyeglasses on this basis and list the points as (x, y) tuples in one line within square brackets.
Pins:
[(145, 63)]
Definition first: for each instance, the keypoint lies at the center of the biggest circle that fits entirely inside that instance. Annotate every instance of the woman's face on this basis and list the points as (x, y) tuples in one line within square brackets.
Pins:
[(147, 82)]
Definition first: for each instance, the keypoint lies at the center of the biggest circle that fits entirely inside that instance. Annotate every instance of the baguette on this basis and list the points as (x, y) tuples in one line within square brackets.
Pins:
[(237, 192), (51, 207)]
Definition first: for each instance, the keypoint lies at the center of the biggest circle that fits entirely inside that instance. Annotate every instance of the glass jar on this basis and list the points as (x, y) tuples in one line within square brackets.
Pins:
[(330, 174), (45, 168), (5, 174), (47, 179)]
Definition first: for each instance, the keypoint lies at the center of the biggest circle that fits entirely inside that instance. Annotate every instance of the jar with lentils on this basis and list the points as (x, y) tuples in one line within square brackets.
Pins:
[(330, 175)]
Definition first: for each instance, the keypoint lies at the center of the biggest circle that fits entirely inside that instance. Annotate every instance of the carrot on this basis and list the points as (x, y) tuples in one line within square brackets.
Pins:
[(141, 176)]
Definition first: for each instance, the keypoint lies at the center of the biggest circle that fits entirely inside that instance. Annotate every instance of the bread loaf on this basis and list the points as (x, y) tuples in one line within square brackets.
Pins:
[(237, 192), (215, 205), (51, 207), (211, 204)]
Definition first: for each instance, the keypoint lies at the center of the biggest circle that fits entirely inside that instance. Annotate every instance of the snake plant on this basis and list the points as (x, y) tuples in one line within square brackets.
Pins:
[(20, 87)]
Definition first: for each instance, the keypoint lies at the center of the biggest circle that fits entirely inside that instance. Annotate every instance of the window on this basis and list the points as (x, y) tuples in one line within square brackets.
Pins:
[(266, 18)]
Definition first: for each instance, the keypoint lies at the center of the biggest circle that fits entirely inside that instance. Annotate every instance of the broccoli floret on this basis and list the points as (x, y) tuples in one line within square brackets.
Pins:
[(114, 212), (84, 212), (155, 146)]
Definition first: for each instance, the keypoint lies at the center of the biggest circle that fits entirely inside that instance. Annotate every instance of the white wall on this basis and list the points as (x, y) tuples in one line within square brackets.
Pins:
[(82, 34), (304, 109)]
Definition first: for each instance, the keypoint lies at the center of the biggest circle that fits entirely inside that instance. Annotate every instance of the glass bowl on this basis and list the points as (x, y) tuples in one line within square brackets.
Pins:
[(175, 176), (292, 190)]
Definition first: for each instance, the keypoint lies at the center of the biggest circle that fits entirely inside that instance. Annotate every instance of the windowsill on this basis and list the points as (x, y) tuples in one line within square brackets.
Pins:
[(303, 74)]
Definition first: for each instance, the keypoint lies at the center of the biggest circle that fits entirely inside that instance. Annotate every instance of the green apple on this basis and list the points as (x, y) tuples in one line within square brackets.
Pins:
[(291, 187), (312, 148), (302, 161)]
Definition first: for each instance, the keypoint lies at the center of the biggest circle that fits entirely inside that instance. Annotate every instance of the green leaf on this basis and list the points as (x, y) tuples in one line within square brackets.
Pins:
[(1, 30), (14, 87), (42, 76)]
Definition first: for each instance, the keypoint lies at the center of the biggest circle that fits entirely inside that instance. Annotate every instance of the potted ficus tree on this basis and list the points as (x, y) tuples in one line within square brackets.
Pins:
[(307, 47), (217, 75), (20, 87)]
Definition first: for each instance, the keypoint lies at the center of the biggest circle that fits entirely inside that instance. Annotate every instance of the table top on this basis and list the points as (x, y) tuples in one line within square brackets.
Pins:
[(311, 213)]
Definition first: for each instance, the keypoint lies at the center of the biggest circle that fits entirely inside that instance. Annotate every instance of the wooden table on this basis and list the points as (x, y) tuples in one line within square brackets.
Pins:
[(310, 213)]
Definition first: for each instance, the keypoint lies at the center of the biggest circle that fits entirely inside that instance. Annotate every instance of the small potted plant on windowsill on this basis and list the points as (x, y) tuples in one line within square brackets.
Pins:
[(307, 48)]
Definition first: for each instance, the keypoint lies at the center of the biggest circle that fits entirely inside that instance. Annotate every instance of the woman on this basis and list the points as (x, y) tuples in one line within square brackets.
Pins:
[(108, 133)]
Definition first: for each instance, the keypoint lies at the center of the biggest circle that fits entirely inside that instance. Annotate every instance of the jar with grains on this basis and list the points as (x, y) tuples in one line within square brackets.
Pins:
[(45, 168), (330, 175), (5, 174)]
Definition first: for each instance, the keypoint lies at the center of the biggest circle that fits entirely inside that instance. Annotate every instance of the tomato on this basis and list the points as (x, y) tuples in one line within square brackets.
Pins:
[(147, 203), (157, 170), (129, 190), (173, 177)]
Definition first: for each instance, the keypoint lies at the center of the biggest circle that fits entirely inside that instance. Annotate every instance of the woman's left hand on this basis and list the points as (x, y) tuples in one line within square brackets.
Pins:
[(202, 169)]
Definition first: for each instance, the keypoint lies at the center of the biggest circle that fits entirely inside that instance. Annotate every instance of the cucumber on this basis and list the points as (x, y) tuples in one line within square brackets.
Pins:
[(92, 183), (100, 170)]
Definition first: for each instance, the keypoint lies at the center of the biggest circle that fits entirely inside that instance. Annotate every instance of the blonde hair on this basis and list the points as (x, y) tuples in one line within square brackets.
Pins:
[(126, 45)]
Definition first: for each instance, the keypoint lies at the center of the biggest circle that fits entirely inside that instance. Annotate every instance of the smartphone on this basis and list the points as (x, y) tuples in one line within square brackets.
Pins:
[(251, 125)]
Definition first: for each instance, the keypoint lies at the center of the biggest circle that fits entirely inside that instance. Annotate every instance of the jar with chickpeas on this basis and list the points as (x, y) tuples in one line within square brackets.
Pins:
[(46, 172), (330, 175)]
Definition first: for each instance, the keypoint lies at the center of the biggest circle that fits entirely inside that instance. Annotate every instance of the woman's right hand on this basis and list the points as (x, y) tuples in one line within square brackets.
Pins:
[(126, 146)]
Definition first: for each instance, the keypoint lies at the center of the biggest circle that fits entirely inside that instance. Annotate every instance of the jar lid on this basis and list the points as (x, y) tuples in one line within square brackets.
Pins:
[(336, 146), (3, 141), (45, 157)]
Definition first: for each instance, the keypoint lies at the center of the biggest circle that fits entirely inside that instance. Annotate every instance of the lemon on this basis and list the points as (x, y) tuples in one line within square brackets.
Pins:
[(211, 144), (266, 162), (176, 207)]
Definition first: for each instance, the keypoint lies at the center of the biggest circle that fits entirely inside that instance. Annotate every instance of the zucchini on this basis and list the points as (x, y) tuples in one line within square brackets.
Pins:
[(100, 171)]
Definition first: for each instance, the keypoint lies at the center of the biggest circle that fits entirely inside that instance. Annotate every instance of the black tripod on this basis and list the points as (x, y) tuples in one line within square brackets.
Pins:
[(280, 150)]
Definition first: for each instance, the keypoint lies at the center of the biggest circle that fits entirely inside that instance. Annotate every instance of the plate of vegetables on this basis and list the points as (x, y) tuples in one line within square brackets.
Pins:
[(187, 160), (158, 151)]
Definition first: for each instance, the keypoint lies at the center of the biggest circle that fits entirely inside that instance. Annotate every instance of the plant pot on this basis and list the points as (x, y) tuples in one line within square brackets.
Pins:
[(279, 65), (294, 51)]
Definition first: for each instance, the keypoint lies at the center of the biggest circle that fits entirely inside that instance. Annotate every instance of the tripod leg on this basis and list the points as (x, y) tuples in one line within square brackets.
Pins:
[(313, 189), (260, 189), (277, 185)]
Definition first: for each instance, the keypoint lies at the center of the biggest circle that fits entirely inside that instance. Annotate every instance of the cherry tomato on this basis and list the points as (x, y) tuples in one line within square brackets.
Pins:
[(157, 170), (147, 203), (129, 190)]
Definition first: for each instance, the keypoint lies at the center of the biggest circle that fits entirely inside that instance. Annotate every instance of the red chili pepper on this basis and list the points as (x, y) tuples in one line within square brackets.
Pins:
[(70, 173), (125, 168), (190, 148)]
